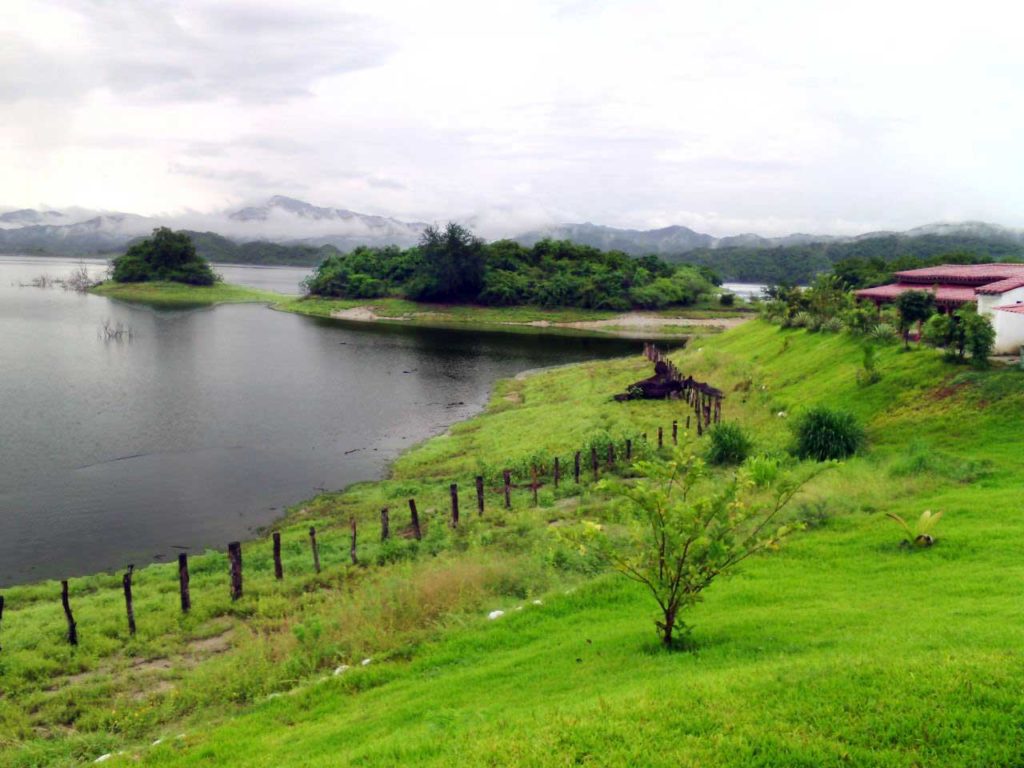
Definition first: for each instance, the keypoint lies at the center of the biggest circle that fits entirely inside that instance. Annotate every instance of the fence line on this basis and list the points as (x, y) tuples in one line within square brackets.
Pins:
[(707, 405)]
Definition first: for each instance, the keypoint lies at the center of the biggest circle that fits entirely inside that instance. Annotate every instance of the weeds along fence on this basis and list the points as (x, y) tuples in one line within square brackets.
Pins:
[(492, 487)]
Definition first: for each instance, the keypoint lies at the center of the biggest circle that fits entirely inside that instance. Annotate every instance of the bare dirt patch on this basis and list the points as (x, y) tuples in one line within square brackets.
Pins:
[(640, 320), (211, 645)]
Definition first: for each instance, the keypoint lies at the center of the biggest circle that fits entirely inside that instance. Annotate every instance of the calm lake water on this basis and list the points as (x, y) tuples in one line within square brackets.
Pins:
[(208, 422)]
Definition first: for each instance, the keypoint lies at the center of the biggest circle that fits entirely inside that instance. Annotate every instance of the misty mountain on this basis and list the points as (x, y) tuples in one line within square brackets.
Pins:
[(28, 216), (284, 230), (332, 226), (636, 242), (98, 235)]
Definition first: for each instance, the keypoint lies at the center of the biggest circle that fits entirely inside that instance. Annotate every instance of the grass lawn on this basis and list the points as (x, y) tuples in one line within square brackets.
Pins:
[(840, 649), (178, 294)]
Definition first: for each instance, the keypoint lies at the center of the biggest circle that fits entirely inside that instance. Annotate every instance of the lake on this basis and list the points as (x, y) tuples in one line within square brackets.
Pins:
[(207, 423)]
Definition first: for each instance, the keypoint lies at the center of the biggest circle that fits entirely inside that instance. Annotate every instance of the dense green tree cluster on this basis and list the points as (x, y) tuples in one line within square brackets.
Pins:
[(452, 265), (826, 305), (863, 273), (799, 264), (167, 255)]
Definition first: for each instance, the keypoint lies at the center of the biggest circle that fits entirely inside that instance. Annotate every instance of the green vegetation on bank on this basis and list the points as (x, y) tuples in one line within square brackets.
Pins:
[(453, 266), (841, 648), (700, 319), (827, 306), (172, 294)]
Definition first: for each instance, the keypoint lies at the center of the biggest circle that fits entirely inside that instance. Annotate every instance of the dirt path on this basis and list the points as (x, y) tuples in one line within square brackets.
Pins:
[(641, 320), (629, 321)]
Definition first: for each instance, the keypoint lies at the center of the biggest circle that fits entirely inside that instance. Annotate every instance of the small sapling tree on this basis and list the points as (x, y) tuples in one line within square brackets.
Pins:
[(921, 534), (678, 531)]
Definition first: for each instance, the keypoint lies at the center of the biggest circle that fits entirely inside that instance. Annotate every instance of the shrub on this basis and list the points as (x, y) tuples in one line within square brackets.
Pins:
[(832, 325), (823, 434), (979, 338), (884, 333), (727, 299), (729, 444), (801, 320), (869, 373)]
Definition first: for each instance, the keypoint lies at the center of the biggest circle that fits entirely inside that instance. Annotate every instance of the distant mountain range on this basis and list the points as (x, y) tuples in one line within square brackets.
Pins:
[(284, 230)]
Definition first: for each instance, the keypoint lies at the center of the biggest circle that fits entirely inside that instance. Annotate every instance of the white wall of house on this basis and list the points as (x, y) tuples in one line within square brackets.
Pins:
[(1009, 327), (986, 304)]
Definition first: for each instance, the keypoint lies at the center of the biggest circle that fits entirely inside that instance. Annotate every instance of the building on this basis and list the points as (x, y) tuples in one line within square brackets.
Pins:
[(997, 289)]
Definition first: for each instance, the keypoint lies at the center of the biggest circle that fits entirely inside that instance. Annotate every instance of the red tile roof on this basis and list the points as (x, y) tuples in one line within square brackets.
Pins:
[(1001, 286), (944, 294), (952, 283), (968, 274)]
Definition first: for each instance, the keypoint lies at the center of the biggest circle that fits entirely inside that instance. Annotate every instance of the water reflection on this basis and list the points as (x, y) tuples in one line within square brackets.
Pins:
[(208, 422)]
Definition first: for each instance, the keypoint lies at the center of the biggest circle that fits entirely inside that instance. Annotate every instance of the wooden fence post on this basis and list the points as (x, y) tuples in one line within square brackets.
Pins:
[(687, 421), (278, 567), (593, 460), (352, 547), (415, 520), (576, 467), (479, 494), (66, 603), (186, 598), (611, 455), (533, 484), (675, 432), (454, 490), (556, 471), (235, 556), (661, 438), (126, 582), (629, 450), (314, 548), (506, 475), (385, 525)]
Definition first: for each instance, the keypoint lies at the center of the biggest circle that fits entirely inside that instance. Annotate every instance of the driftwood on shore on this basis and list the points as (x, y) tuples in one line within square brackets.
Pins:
[(668, 383)]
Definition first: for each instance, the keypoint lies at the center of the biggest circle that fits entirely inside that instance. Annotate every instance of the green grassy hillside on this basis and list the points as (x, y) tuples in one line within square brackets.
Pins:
[(840, 649)]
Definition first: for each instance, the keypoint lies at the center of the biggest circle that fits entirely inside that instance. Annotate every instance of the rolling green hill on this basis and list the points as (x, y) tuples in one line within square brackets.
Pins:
[(840, 649)]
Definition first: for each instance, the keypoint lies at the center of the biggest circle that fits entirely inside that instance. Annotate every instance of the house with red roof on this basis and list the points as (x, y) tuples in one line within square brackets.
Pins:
[(997, 289)]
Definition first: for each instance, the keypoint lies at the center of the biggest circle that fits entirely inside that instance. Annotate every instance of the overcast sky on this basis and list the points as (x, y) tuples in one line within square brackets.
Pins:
[(727, 117)]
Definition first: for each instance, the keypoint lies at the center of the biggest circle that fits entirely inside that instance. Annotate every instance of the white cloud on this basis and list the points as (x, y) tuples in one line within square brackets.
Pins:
[(732, 117)]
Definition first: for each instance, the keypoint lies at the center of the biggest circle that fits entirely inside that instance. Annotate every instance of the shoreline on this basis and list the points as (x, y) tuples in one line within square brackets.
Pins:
[(672, 323)]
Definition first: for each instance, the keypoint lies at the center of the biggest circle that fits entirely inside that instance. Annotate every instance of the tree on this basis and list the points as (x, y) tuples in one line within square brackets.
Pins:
[(963, 331), (167, 255), (452, 265), (979, 338), (681, 530), (914, 307)]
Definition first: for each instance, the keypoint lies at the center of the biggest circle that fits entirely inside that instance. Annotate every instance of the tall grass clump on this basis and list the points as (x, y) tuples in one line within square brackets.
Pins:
[(824, 434), (729, 444)]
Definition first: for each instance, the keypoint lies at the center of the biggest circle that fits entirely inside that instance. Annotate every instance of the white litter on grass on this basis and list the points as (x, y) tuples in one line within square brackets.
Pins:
[(495, 615), (158, 742), (341, 670), (103, 758), (180, 736), (781, 414), (538, 602), (366, 662), (273, 695)]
